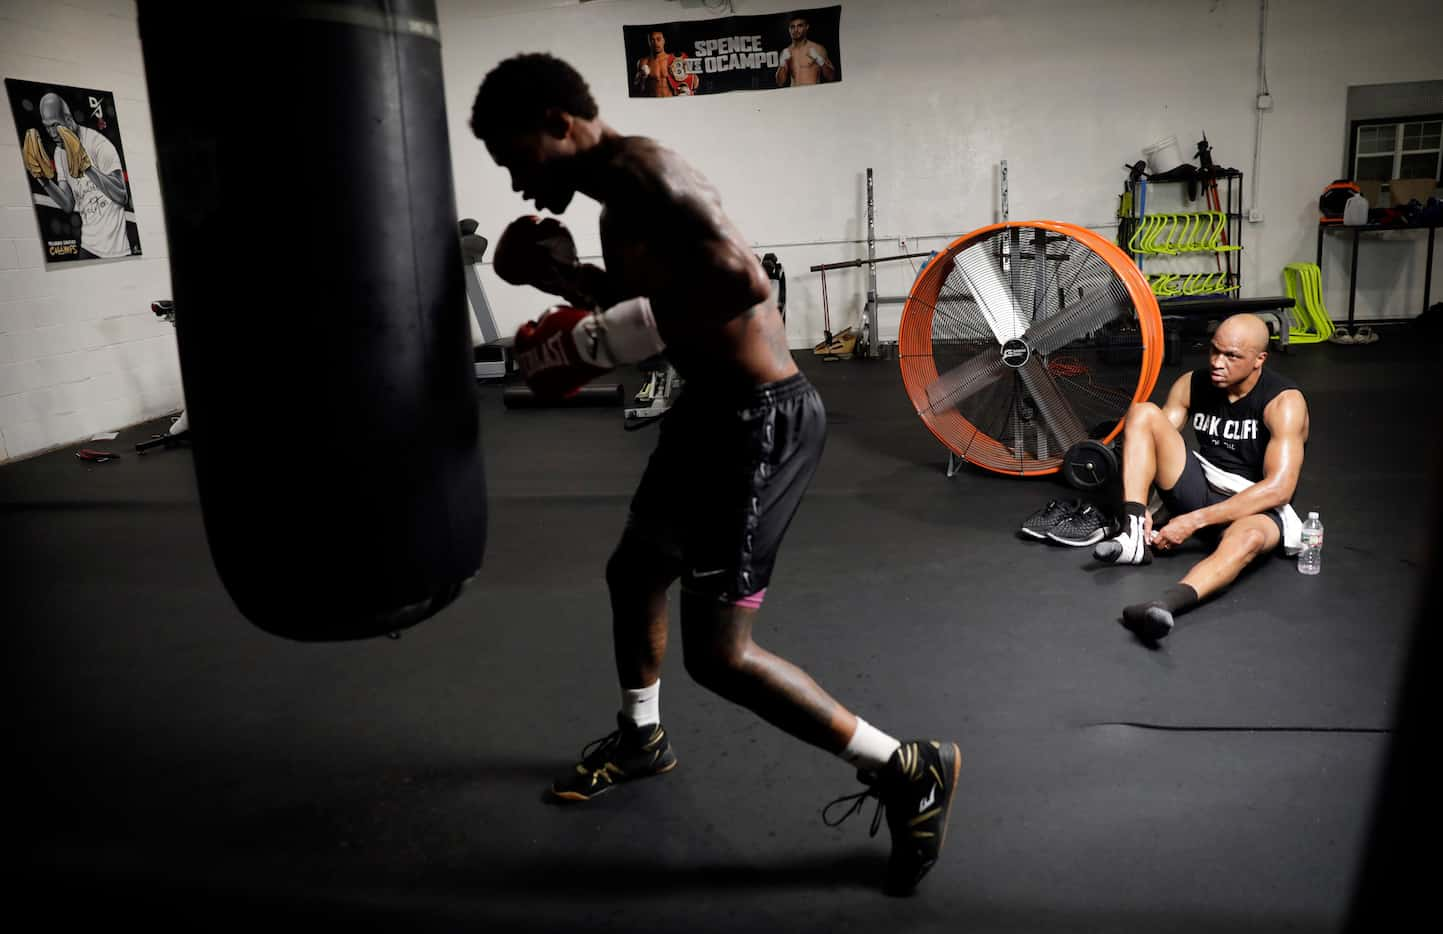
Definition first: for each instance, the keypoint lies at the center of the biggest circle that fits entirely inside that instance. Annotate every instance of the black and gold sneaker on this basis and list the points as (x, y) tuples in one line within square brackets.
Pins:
[(915, 790), (627, 753)]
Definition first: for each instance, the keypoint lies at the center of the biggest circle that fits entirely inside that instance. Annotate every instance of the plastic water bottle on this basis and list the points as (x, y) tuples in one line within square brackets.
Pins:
[(1310, 559)]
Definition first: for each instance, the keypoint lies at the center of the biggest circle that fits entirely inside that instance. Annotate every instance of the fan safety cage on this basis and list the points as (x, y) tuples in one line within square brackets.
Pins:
[(1021, 339)]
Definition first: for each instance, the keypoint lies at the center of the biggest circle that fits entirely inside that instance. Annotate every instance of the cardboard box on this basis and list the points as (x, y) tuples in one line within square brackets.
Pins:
[(1404, 190)]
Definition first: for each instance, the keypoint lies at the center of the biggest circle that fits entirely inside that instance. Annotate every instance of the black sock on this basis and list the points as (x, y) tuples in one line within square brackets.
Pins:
[(1153, 620), (1179, 597), (1134, 509)]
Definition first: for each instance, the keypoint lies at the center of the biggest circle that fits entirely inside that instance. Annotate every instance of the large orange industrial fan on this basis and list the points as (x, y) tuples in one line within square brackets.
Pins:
[(1020, 341)]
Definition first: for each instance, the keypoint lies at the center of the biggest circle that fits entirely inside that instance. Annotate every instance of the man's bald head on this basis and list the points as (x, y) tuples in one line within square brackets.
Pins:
[(1244, 331), (1239, 347), (54, 112), (53, 107)]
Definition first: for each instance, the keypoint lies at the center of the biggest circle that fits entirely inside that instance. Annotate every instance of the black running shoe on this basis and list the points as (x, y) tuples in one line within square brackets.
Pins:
[(1043, 520), (1150, 622), (1086, 526), (627, 753), (915, 790)]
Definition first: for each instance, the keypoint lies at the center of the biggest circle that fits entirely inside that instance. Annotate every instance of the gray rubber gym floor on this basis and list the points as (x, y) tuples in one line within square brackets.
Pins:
[(183, 769)]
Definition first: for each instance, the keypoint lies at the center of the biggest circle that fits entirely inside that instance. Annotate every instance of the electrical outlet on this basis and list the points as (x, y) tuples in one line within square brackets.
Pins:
[(1255, 216)]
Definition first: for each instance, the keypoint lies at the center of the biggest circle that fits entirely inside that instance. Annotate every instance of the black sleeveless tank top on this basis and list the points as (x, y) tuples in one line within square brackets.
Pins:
[(1232, 435)]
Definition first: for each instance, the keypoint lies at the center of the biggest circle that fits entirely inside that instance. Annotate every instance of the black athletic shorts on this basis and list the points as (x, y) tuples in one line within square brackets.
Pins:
[(1193, 492), (725, 480)]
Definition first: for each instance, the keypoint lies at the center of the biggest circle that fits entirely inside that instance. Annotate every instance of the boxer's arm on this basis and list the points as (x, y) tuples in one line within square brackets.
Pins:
[(108, 175), (591, 287), (60, 192), (702, 276), (113, 184), (819, 55)]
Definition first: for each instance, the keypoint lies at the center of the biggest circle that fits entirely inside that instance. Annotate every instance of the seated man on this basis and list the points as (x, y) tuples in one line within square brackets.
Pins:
[(1251, 425)]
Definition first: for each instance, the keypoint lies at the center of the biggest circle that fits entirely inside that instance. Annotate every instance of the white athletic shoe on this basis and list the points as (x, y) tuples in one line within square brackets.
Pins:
[(1130, 547)]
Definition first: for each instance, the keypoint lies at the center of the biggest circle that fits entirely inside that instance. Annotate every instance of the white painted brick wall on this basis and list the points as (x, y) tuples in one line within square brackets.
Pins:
[(935, 147), (80, 350)]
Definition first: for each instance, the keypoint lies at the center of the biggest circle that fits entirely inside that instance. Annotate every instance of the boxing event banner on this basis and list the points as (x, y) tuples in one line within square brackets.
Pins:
[(734, 53), (74, 163)]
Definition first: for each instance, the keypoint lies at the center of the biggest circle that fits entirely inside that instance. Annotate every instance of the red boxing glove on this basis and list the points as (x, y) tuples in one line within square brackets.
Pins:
[(537, 252), (548, 357), (566, 348)]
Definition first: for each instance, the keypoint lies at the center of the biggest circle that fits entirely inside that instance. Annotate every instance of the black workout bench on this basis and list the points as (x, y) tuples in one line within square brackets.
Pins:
[(1276, 310)]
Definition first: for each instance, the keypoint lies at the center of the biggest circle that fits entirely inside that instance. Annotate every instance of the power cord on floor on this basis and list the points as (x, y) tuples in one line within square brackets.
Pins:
[(1237, 729)]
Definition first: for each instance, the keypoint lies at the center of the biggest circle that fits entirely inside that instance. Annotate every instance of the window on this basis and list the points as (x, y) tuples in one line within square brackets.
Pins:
[(1397, 148)]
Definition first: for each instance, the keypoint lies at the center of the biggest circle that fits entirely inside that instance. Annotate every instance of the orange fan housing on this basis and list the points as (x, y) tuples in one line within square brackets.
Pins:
[(920, 370)]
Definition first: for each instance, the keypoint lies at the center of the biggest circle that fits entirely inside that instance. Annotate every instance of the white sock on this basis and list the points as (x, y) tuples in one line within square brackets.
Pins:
[(869, 747), (642, 706)]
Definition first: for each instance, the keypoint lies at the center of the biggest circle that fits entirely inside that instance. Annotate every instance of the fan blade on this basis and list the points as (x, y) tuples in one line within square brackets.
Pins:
[(964, 381), (994, 298), (1057, 414), (1019, 430), (1069, 324)]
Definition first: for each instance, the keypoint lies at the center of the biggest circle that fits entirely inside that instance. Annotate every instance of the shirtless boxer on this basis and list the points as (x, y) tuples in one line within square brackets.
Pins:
[(650, 78), (804, 61), (734, 456)]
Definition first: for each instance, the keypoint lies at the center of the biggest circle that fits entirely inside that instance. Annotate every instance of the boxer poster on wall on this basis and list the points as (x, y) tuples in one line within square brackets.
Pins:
[(74, 164), (734, 53)]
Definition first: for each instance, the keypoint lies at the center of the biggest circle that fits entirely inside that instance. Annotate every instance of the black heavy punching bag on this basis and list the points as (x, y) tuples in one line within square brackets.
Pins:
[(320, 309)]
